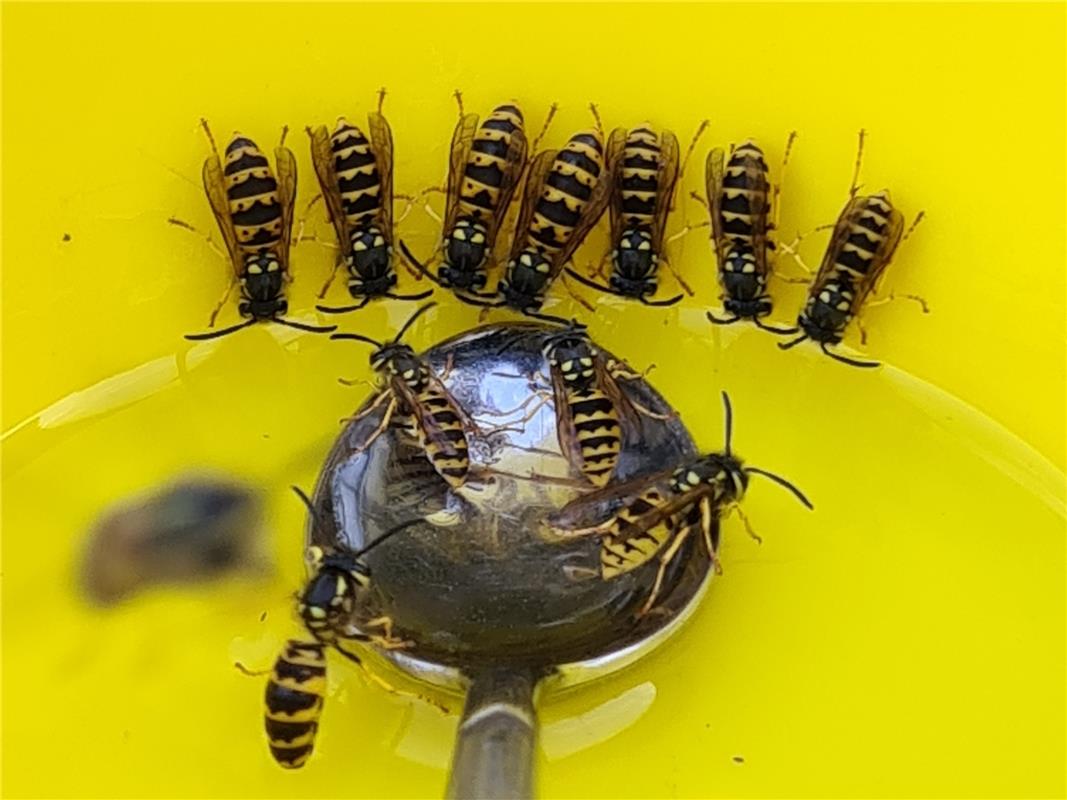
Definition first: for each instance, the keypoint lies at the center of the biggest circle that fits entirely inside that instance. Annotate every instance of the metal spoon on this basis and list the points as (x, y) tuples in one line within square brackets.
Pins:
[(490, 607)]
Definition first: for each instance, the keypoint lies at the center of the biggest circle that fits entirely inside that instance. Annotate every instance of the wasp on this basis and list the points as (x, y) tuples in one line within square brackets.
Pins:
[(865, 237), (643, 179), (591, 407), (743, 210), (356, 178), (420, 404), (296, 688), (486, 162), (654, 515), (254, 212), (566, 192)]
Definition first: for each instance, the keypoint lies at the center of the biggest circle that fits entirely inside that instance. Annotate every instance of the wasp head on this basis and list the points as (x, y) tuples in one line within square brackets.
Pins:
[(399, 360), (742, 279), (262, 283), (467, 249), (633, 258), (369, 255), (329, 598), (572, 353), (722, 471)]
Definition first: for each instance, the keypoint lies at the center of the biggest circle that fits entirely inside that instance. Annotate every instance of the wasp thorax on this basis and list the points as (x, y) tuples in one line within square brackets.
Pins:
[(634, 257), (466, 249), (534, 261), (573, 356), (370, 254)]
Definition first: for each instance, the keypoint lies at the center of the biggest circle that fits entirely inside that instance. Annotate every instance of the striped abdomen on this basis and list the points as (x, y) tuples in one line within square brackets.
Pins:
[(442, 436), (255, 206), (627, 547), (358, 179), (294, 702), (483, 175), (568, 187), (744, 204), (640, 176), (869, 229), (597, 433)]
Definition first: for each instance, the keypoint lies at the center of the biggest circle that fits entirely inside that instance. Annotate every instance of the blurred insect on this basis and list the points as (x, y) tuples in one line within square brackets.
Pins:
[(743, 210), (356, 177), (591, 407), (566, 192), (328, 608), (486, 162), (254, 212), (654, 515), (643, 179), (863, 242), (420, 404)]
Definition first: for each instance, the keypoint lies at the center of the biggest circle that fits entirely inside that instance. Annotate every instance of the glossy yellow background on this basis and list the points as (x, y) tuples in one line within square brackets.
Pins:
[(906, 639)]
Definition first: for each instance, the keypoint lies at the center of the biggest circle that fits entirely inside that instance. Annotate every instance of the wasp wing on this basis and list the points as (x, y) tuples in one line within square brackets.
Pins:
[(636, 515), (381, 138), (535, 181), (215, 186), (842, 229), (614, 159), (440, 443), (666, 178), (714, 169), (514, 163), (285, 163), (325, 169), (598, 200), (565, 430), (459, 153), (882, 256)]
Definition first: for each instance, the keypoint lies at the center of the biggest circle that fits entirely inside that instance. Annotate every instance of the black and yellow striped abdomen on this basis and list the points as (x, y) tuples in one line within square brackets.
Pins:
[(627, 546), (358, 178), (441, 434), (566, 192), (639, 177), (294, 701), (597, 432), (252, 191), (487, 164), (869, 229), (745, 201)]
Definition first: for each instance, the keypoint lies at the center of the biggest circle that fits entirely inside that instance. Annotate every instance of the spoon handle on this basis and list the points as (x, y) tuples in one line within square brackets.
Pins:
[(497, 736)]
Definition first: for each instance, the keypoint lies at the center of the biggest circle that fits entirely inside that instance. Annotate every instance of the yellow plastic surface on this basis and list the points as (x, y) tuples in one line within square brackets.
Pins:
[(905, 639)]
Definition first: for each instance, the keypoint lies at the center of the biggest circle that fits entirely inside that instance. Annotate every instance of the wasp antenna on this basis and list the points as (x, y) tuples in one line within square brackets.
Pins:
[(388, 534), (850, 361), (782, 482), (729, 420), (316, 521), (199, 337), (416, 263), (357, 337), (302, 327), (716, 321), (411, 320), (770, 329), (794, 343)]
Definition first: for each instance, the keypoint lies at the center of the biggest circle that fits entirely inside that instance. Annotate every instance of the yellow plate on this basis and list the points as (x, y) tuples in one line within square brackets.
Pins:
[(906, 639)]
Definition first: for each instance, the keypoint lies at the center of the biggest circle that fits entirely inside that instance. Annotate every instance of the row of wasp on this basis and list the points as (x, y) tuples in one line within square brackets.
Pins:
[(652, 517), (632, 173)]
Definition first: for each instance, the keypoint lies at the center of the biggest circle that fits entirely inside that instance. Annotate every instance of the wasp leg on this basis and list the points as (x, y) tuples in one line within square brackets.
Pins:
[(222, 302), (579, 299), (384, 684), (251, 673), (577, 573), (621, 372), (205, 236), (894, 296), (703, 126), (386, 640), (664, 562), (374, 404), (544, 127), (736, 508), (791, 250), (304, 217), (776, 191), (856, 170), (329, 281), (677, 276), (714, 556), (598, 272)]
